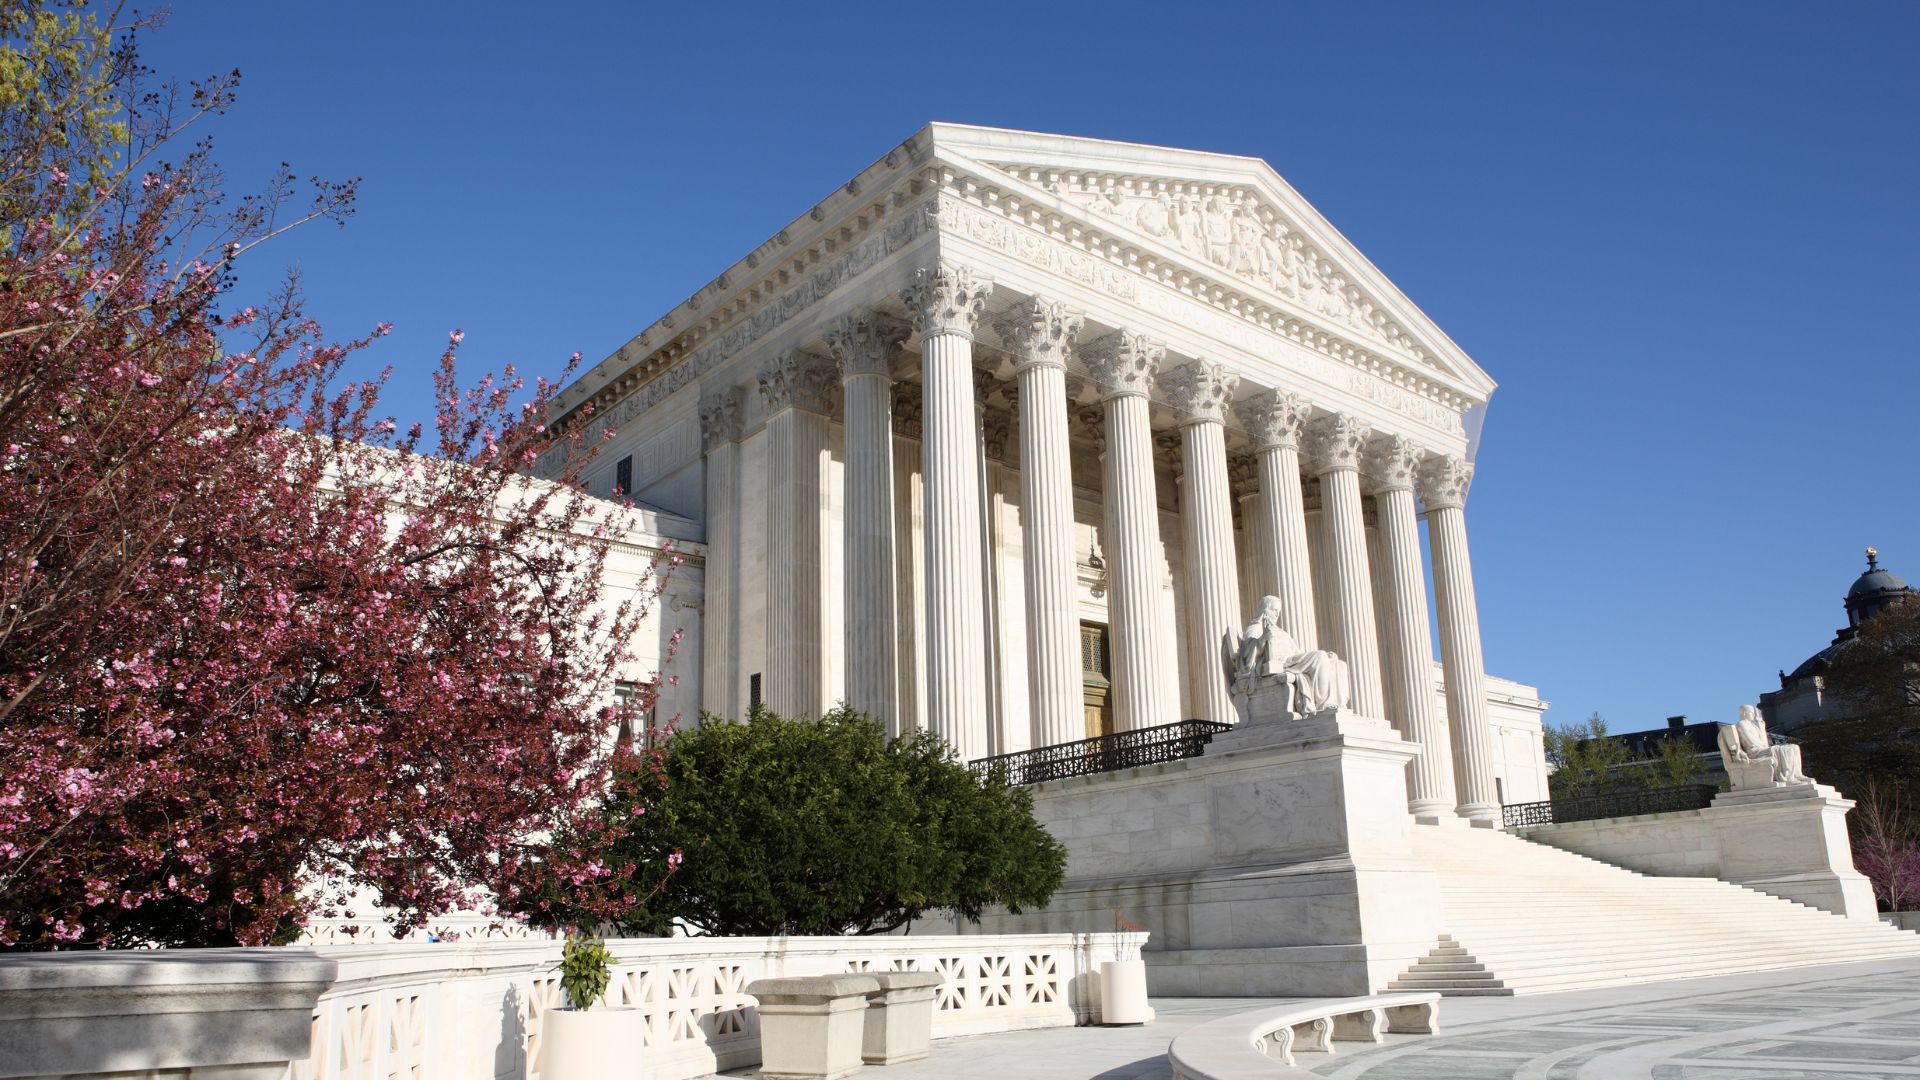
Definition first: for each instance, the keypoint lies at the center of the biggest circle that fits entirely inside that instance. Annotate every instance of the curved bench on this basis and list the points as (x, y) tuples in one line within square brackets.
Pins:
[(1247, 1045)]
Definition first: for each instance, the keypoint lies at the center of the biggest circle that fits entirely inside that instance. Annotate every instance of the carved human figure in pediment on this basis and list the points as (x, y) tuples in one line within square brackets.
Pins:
[(1318, 679), (1753, 759)]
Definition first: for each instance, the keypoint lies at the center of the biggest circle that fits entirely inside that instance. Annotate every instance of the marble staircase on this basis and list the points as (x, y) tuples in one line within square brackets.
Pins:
[(1522, 918)]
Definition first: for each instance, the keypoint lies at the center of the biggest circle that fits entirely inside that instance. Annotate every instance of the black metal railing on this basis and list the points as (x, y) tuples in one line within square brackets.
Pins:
[(1618, 804), (1105, 753)]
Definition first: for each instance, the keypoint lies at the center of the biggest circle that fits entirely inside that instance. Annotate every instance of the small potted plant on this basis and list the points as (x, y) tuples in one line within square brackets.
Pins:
[(588, 1039)]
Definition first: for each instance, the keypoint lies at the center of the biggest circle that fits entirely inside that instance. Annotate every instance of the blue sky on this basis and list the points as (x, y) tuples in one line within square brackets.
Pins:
[(1683, 237)]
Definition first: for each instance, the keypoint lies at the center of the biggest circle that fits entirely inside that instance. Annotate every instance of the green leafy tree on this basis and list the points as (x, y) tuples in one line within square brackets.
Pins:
[(1588, 761), (1674, 764), (780, 826), (1585, 760)]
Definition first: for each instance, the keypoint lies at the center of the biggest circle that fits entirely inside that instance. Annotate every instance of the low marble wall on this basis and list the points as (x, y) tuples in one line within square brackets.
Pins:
[(1276, 864), (1789, 842), (240, 1014), (1678, 844), (461, 1010)]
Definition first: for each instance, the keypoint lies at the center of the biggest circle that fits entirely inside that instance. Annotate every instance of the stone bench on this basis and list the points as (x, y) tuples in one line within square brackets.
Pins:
[(899, 1024), (1245, 1045), (812, 1027)]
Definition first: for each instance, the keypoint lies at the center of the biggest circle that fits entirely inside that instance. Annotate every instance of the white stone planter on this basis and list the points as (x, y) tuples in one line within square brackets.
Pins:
[(1123, 992), (598, 1044)]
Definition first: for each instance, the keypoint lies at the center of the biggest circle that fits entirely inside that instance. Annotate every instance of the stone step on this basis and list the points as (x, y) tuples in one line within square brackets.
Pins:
[(1456, 991), (1521, 917)]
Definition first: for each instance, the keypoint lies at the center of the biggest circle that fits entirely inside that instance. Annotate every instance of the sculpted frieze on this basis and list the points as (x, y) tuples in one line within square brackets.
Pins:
[(1233, 228), (1326, 358)]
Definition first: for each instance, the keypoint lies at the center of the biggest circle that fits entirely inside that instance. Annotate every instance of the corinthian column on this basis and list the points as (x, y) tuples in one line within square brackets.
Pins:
[(799, 392), (1123, 364), (1276, 419), (1337, 444), (1444, 482), (864, 345), (946, 304), (720, 613), (1039, 334), (1199, 392), (1394, 464)]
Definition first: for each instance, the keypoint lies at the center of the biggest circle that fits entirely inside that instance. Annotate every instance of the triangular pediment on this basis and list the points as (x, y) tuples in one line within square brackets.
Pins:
[(1230, 217)]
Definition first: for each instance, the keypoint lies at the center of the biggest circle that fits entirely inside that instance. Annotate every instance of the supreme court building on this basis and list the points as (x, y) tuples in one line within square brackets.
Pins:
[(1005, 436)]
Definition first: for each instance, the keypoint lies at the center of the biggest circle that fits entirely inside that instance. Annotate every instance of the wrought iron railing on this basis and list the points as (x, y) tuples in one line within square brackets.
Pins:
[(1618, 804), (1105, 753)]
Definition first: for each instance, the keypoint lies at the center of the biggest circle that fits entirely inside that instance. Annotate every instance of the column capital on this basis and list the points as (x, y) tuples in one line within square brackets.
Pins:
[(1167, 452), (1393, 463), (1275, 418), (1092, 423), (799, 379), (1123, 363), (1039, 333), (908, 410), (995, 428), (1444, 480), (720, 418), (947, 300), (1243, 476), (866, 342), (1199, 391), (1336, 442)]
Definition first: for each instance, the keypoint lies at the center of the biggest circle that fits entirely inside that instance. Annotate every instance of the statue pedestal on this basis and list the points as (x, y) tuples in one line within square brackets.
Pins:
[(1277, 864), (1791, 842)]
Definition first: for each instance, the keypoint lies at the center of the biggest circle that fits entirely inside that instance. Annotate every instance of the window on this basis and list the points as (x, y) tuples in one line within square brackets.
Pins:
[(1093, 650), (623, 476), (624, 694), (753, 691)]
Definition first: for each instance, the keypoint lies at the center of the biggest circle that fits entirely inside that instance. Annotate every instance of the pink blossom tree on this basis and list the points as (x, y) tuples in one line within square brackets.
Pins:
[(254, 639)]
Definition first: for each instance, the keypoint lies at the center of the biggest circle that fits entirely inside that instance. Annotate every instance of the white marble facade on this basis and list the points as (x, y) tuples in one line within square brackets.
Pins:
[(1001, 389)]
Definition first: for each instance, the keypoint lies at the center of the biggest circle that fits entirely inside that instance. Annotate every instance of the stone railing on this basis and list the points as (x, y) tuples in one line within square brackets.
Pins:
[(1617, 804), (1104, 753), (449, 1010)]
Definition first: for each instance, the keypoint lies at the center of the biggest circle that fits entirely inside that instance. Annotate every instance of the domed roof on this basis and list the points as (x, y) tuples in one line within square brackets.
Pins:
[(1875, 580)]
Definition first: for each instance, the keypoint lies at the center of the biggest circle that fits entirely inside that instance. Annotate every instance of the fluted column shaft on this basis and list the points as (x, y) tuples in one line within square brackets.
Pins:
[(947, 304), (1200, 392), (1123, 366), (798, 388), (1337, 447), (1430, 790), (720, 612), (1444, 483), (1040, 334), (864, 345), (1276, 420)]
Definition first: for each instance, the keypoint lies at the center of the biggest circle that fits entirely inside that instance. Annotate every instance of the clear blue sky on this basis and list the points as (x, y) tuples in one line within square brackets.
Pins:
[(1685, 238)]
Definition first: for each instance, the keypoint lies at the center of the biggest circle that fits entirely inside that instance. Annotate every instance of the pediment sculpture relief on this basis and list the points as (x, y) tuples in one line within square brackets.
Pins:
[(1234, 230)]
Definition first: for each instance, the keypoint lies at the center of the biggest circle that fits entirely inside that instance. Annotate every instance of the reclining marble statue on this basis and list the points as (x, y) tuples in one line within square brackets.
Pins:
[(1753, 759), (1313, 680)]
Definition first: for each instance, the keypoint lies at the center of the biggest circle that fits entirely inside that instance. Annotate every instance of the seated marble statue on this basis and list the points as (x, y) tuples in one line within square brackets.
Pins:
[(1318, 678), (1746, 742)]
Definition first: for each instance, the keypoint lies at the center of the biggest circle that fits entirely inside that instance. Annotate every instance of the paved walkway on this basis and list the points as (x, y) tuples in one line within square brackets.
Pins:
[(1854, 1021)]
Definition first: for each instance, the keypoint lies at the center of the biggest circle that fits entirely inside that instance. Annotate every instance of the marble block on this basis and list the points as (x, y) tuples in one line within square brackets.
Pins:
[(1276, 864), (1791, 842), (812, 1027)]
